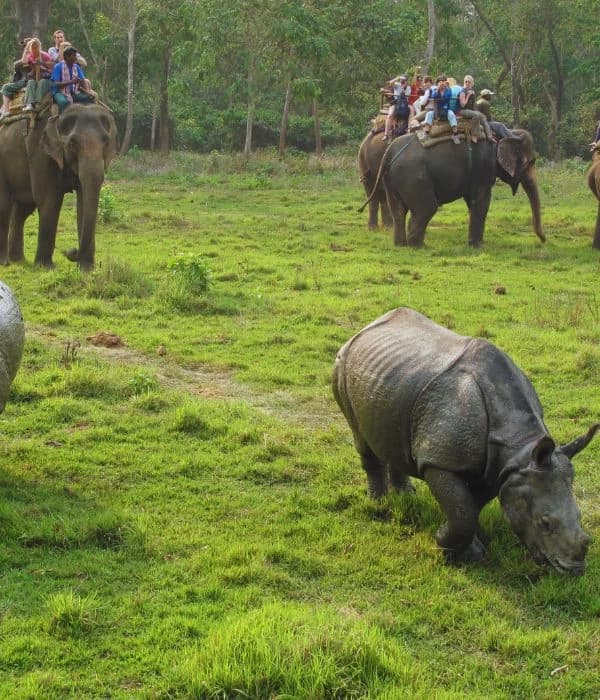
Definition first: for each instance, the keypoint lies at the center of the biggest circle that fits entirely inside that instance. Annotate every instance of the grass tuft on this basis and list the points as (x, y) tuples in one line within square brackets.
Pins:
[(294, 651), (71, 614)]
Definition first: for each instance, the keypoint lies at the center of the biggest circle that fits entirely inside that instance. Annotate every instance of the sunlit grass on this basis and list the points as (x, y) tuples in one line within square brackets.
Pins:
[(184, 514)]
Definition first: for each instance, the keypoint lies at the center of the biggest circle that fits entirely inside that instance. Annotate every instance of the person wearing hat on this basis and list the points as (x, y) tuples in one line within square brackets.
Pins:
[(66, 79), (399, 107), (483, 103)]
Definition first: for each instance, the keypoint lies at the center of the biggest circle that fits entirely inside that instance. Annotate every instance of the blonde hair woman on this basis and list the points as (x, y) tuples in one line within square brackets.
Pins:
[(39, 64)]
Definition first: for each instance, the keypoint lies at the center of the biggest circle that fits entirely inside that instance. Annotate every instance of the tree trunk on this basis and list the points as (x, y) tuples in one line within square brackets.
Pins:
[(285, 118), (163, 135), (514, 81), (432, 25), (32, 16), (318, 141), (250, 113), (153, 127), (130, 92), (554, 123)]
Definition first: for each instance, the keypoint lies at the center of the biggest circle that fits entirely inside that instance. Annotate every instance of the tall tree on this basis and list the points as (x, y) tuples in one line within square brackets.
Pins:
[(126, 142), (32, 17)]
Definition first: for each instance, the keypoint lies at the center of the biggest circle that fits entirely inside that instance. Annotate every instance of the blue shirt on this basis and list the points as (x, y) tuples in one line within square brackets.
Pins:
[(442, 102), (56, 76)]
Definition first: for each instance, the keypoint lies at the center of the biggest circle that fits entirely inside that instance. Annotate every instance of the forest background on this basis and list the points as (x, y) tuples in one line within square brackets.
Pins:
[(208, 75)]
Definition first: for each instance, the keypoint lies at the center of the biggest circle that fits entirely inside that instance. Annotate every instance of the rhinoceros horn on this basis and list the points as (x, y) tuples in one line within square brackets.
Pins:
[(572, 448)]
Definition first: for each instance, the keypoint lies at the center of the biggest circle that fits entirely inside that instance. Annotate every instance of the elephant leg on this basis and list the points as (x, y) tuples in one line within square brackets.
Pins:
[(458, 536), (596, 241), (20, 212), (49, 212), (5, 216), (478, 209), (386, 215), (398, 212), (419, 219)]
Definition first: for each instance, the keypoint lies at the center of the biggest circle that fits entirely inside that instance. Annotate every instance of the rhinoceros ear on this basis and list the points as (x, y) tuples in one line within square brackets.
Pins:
[(542, 452), (572, 448)]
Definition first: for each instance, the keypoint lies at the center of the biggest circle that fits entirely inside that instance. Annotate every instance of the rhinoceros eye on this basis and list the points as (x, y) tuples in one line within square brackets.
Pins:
[(547, 523)]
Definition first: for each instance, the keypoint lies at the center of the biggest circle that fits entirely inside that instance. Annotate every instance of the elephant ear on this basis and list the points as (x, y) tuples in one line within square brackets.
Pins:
[(52, 142), (510, 155), (108, 124)]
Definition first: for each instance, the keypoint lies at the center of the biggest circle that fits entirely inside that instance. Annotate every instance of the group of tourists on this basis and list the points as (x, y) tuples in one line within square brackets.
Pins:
[(58, 71), (424, 101)]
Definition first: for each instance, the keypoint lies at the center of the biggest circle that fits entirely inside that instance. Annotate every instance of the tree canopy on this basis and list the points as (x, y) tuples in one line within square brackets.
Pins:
[(233, 74)]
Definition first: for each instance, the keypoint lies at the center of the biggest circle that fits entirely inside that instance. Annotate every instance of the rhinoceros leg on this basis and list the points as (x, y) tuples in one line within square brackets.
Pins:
[(377, 473), (400, 481), (458, 536)]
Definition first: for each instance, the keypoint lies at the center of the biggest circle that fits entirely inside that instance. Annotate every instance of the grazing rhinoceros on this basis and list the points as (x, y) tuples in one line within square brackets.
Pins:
[(12, 336), (455, 411)]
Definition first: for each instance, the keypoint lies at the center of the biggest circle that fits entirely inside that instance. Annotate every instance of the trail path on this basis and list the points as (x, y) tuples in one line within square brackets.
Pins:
[(209, 382)]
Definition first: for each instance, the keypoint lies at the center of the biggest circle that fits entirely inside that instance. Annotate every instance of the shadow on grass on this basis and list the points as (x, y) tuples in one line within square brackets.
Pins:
[(35, 516)]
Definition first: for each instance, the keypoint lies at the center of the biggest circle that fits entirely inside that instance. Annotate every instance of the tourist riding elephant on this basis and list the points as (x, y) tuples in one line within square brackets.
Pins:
[(370, 154), (593, 177), (419, 180), (39, 163)]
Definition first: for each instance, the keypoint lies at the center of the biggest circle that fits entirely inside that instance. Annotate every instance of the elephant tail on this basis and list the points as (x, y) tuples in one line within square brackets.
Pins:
[(382, 168), (386, 162)]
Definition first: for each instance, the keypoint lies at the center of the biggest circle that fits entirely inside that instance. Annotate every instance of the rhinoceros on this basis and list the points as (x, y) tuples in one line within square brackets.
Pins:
[(455, 411), (12, 338)]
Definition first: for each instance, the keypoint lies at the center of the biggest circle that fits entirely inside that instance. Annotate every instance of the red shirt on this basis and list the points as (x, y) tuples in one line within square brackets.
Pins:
[(414, 92)]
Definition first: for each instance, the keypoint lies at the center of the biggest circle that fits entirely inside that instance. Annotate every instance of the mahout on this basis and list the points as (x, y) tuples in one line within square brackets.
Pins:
[(43, 157), (456, 412), (418, 177)]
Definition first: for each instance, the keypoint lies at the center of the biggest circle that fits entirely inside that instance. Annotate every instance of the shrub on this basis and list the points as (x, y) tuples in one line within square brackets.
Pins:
[(191, 274)]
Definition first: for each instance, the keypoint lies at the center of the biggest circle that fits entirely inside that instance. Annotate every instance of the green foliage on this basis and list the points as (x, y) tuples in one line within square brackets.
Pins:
[(108, 211), (191, 274)]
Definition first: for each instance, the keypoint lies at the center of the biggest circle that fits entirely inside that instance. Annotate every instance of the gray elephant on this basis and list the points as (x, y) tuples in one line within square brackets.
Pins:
[(593, 178), (370, 155), (419, 180), (12, 337), (424, 402), (39, 163)]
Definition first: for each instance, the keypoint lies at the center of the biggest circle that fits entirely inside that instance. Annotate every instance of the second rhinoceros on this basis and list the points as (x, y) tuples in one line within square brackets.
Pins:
[(456, 412)]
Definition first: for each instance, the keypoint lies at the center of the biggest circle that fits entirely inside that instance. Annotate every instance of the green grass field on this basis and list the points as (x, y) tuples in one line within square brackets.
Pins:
[(185, 515)]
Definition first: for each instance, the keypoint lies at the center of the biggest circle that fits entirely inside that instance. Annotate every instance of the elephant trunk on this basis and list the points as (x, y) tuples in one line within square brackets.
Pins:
[(91, 177), (529, 183)]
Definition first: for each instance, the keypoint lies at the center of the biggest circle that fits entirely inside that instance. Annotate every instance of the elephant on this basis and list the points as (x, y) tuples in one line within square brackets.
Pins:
[(593, 178), (12, 337), (40, 161), (419, 180), (370, 155)]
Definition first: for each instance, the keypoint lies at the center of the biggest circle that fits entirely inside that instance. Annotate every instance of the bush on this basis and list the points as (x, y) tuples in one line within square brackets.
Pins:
[(191, 274)]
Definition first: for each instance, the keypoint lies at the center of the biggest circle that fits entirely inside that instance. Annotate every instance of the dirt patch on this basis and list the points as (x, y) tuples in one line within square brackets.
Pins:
[(206, 381), (106, 339)]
